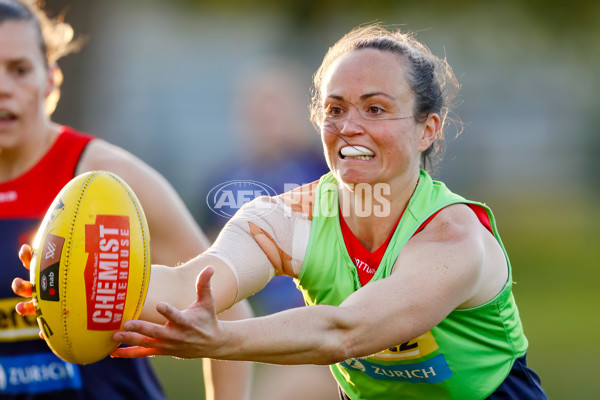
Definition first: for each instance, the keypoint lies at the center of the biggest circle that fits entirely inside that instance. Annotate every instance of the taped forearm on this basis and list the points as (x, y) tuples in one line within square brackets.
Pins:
[(263, 239)]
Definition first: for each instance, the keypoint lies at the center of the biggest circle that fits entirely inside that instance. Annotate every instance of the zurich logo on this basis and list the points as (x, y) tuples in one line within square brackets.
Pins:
[(228, 197)]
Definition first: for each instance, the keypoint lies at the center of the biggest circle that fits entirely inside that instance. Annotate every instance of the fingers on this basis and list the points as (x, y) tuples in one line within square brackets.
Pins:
[(135, 351), (171, 313), (22, 287), (140, 345), (203, 287), (25, 308), (181, 336), (142, 333), (25, 254), (203, 280), (134, 338)]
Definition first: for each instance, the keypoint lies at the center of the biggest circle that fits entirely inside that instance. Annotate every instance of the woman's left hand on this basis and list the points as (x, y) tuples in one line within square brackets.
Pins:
[(190, 333), (23, 287)]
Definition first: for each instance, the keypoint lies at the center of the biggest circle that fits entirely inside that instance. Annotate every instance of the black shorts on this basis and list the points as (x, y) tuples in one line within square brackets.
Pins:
[(522, 383)]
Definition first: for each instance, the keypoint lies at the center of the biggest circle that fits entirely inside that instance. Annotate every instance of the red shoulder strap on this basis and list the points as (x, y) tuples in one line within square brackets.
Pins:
[(30, 195), (478, 210)]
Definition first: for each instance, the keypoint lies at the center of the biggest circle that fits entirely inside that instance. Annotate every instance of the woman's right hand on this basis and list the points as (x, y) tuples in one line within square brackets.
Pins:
[(23, 287)]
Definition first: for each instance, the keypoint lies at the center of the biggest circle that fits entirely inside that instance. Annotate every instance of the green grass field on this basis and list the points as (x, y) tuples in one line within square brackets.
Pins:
[(555, 252)]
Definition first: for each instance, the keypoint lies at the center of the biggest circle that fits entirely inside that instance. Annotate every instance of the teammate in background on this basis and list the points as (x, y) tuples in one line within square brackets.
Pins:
[(276, 147), (37, 158)]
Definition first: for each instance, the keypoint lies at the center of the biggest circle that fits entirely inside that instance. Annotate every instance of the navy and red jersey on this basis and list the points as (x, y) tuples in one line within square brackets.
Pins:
[(28, 368)]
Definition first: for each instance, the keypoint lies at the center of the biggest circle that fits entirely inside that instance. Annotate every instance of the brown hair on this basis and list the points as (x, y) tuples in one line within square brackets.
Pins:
[(431, 79)]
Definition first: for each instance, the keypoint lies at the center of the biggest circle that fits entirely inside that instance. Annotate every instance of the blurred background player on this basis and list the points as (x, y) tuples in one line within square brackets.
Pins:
[(37, 157), (276, 146)]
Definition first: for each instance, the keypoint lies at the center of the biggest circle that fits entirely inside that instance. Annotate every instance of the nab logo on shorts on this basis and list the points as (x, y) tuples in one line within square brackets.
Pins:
[(228, 197)]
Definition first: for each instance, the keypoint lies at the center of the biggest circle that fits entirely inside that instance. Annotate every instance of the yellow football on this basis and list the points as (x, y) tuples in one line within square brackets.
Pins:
[(90, 267)]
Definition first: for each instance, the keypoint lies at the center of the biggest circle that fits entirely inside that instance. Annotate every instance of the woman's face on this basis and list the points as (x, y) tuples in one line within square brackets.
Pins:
[(24, 83), (368, 131)]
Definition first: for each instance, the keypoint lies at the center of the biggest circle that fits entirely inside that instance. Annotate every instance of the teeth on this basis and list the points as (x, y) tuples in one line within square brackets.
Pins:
[(356, 151), (364, 158), (361, 157)]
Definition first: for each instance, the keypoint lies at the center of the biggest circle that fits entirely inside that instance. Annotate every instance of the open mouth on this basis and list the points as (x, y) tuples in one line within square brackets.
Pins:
[(356, 153), (6, 115)]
